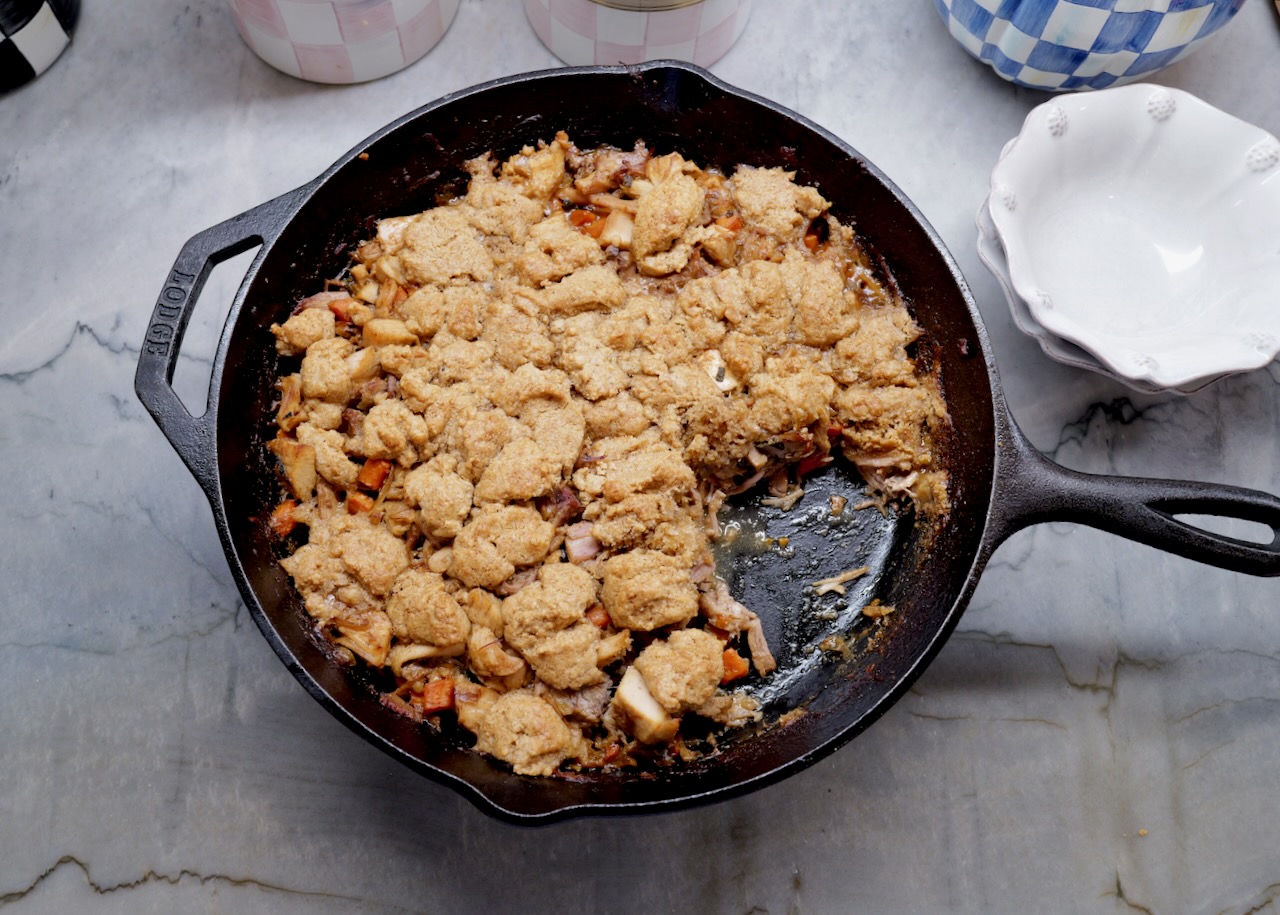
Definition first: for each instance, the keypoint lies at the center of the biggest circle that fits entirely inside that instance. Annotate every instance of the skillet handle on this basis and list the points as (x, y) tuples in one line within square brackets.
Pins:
[(1032, 489), (193, 436)]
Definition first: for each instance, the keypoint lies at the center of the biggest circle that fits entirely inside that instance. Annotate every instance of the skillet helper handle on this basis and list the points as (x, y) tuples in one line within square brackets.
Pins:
[(193, 436), (1144, 510)]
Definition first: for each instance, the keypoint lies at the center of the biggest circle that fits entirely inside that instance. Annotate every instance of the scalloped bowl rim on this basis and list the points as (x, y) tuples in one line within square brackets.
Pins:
[(1058, 163)]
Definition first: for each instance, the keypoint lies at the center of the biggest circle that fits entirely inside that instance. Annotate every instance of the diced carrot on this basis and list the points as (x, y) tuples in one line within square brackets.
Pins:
[(834, 431), (582, 218), (811, 241), (811, 463), (437, 695), (373, 474), (735, 666), (282, 521), (599, 616), (595, 229), (732, 223), (359, 503)]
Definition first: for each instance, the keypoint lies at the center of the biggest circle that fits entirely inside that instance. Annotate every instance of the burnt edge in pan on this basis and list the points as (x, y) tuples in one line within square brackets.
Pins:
[(407, 167)]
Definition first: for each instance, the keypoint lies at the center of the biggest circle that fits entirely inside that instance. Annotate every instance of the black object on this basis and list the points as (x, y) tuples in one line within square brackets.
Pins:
[(999, 482), (33, 34)]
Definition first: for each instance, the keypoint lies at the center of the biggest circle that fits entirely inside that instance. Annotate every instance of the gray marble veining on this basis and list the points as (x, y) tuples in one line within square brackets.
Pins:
[(1099, 735)]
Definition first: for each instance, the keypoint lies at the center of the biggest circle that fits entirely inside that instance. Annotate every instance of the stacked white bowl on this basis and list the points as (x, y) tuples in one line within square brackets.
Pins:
[(1136, 232)]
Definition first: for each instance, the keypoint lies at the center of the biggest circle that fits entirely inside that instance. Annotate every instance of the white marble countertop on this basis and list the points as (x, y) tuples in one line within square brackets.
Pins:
[(1100, 734)]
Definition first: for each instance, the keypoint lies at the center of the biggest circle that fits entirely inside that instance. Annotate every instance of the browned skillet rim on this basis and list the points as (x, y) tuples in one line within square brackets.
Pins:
[(1000, 482)]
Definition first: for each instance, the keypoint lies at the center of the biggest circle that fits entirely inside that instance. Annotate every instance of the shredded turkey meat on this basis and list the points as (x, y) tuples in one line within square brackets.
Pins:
[(512, 421)]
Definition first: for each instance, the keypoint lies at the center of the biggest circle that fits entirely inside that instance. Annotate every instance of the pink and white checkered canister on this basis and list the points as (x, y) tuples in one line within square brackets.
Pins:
[(583, 32), (342, 41)]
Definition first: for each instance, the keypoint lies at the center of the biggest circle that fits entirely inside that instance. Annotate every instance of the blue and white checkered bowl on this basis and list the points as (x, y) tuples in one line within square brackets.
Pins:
[(1082, 44), (33, 34)]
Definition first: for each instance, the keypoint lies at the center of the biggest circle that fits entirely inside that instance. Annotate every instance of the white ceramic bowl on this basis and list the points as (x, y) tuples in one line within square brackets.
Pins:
[(1143, 225), (993, 258)]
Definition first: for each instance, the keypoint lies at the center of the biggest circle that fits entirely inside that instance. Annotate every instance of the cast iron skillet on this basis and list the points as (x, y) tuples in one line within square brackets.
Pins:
[(999, 483)]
